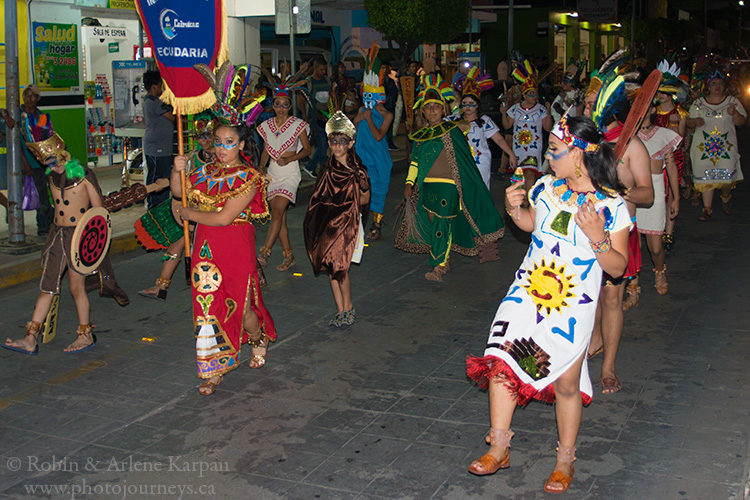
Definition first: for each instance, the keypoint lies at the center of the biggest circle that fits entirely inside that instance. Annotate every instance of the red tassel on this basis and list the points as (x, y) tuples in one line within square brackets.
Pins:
[(482, 370)]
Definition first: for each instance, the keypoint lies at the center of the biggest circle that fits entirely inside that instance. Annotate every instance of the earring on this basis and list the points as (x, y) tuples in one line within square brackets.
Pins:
[(578, 171)]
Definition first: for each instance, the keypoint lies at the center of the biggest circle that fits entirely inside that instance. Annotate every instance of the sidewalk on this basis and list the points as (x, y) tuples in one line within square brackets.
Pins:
[(16, 269)]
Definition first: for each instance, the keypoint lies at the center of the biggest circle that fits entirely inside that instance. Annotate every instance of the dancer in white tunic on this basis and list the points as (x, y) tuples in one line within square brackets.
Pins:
[(538, 339), (480, 129), (714, 152), (286, 142)]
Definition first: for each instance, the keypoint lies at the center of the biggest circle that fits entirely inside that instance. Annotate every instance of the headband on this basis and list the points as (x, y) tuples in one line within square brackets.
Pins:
[(562, 132)]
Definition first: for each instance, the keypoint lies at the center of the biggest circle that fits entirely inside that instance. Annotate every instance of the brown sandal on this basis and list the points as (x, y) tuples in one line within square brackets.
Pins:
[(162, 284), (488, 464), (706, 214), (437, 273), (207, 388), (82, 331), (660, 281), (565, 454), (289, 261), (633, 293), (726, 203), (263, 255), (32, 329)]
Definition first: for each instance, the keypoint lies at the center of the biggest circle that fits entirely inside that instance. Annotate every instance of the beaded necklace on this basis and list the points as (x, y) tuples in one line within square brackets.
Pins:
[(574, 198)]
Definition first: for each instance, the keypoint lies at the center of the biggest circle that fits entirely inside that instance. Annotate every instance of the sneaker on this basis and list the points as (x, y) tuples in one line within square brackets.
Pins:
[(309, 172)]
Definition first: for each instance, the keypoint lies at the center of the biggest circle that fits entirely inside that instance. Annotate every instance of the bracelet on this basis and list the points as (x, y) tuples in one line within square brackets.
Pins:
[(602, 246)]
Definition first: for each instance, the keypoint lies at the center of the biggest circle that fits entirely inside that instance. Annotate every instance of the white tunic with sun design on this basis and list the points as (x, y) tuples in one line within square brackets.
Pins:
[(544, 323), (714, 152), (527, 134)]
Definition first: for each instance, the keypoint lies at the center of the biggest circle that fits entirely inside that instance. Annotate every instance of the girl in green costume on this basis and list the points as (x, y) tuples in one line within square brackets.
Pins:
[(448, 206)]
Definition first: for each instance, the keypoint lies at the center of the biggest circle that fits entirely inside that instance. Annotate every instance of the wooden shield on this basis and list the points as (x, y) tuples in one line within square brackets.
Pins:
[(91, 240), (638, 111)]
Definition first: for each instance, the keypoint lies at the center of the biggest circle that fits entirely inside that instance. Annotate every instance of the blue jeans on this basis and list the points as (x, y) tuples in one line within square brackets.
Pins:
[(158, 167), (320, 143)]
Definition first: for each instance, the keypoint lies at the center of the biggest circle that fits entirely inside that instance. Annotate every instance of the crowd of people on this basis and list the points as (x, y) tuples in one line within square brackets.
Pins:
[(585, 186)]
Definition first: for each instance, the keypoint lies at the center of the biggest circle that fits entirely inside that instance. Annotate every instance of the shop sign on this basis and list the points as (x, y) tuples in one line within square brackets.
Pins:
[(122, 4), (55, 49), (597, 11), (113, 47), (108, 32)]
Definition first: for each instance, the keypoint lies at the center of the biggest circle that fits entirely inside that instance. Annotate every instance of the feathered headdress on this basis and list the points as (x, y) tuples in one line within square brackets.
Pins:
[(433, 89), (525, 73), (610, 100), (373, 89), (472, 83), (671, 83), (236, 103), (612, 65), (709, 67), (573, 71)]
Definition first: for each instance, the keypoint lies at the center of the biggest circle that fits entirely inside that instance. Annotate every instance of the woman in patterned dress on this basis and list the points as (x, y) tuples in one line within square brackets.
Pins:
[(714, 151), (538, 339), (225, 197)]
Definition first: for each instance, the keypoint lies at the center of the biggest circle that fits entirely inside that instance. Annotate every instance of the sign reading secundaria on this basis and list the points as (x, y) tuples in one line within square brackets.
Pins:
[(55, 55)]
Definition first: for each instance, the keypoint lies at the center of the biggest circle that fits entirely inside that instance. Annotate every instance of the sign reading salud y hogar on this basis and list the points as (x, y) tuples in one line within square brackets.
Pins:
[(55, 55), (184, 33)]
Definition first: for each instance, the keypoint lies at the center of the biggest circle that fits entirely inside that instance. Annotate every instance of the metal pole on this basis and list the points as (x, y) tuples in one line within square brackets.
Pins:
[(510, 32), (15, 176), (292, 62)]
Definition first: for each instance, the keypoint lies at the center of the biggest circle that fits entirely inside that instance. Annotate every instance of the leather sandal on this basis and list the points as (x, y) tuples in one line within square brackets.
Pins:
[(81, 331), (259, 360), (660, 281), (207, 388), (289, 261), (726, 203), (565, 454), (32, 329), (488, 464), (633, 293), (162, 284), (706, 214), (437, 273), (263, 255)]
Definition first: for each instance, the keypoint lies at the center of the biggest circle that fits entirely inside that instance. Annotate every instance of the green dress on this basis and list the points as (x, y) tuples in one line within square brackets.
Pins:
[(473, 222)]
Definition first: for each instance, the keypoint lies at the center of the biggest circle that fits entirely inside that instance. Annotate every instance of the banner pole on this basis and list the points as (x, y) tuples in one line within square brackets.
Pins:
[(183, 189)]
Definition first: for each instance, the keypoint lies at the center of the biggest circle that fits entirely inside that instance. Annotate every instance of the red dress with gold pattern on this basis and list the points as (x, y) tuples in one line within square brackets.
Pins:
[(224, 275)]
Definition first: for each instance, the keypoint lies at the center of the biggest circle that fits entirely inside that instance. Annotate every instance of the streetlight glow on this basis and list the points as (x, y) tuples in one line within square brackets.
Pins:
[(741, 3), (295, 10), (573, 14)]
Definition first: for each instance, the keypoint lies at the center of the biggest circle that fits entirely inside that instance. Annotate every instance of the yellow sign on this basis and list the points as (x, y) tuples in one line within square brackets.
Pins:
[(122, 4)]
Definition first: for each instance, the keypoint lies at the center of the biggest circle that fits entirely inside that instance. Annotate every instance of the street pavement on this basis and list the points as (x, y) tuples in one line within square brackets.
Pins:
[(382, 409)]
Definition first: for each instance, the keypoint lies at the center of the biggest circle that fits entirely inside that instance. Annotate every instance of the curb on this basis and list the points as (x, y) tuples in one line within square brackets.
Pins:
[(31, 269)]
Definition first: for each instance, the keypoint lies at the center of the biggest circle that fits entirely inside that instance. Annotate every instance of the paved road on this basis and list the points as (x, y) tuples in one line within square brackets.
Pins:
[(383, 409)]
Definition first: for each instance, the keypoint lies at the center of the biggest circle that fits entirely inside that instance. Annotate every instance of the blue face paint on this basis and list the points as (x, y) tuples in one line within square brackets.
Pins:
[(225, 146), (553, 156)]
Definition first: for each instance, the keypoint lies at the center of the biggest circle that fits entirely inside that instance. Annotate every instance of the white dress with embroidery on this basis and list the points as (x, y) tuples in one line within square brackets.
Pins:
[(278, 140), (659, 141), (527, 135), (714, 153), (478, 136), (544, 323)]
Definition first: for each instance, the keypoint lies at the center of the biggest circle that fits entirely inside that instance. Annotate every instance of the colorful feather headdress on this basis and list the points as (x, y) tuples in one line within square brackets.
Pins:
[(708, 67), (671, 83), (525, 73), (374, 76), (434, 89), (472, 83), (612, 65), (236, 103), (611, 99)]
